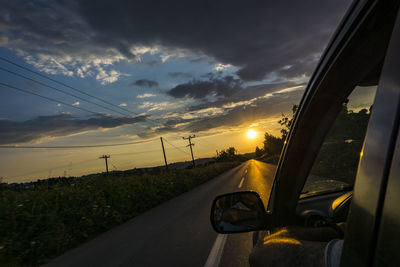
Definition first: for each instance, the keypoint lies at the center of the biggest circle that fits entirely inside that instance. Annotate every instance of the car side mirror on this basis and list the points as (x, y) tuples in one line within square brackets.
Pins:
[(238, 212)]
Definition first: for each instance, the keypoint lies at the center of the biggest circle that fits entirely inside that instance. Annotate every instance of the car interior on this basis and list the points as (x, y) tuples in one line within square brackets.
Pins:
[(352, 77), (315, 190), (315, 178)]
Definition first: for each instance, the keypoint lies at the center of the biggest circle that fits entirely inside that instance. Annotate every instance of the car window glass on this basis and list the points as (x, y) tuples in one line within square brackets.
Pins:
[(335, 166)]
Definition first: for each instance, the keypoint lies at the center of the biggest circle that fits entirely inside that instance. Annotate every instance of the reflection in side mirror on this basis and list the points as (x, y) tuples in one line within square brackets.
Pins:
[(238, 212)]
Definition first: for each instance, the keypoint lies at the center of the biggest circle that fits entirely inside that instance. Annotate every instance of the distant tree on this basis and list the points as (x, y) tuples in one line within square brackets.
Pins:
[(339, 155), (229, 154), (287, 122), (231, 151), (349, 125), (272, 144), (259, 152)]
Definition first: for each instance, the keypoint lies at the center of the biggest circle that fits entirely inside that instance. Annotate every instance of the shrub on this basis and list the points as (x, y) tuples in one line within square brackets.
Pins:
[(41, 222)]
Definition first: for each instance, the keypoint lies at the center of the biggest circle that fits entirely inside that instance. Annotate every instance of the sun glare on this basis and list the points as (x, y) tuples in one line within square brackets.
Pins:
[(251, 134)]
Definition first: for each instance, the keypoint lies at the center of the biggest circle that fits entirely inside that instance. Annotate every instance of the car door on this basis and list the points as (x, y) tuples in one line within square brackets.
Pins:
[(370, 232), (354, 57), (343, 137), (364, 52), (373, 227)]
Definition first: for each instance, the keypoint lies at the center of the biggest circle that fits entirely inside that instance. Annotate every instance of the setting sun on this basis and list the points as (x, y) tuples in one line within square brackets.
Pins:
[(251, 134)]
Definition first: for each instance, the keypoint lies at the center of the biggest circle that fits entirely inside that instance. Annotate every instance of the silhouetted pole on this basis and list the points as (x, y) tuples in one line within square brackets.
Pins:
[(105, 157), (190, 145), (163, 150)]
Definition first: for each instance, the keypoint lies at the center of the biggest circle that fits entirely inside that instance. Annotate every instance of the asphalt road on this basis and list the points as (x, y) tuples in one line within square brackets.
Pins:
[(178, 232)]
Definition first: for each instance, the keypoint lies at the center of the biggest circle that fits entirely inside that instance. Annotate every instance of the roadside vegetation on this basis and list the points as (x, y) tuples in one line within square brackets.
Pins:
[(46, 219), (229, 155), (340, 153), (273, 145)]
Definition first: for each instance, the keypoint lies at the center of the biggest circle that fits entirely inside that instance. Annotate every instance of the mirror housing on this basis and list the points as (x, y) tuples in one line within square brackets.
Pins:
[(238, 213)]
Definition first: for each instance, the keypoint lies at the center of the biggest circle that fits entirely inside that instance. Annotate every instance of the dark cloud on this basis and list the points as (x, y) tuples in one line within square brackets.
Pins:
[(242, 115), (180, 74), (247, 105), (218, 86), (201, 59), (145, 83), (260, 37), (151, 63), (57, 125), (245, 94)]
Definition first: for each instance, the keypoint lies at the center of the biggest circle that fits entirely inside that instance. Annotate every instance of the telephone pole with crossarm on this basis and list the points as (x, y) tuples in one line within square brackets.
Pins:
[(190, 145), (105, 157)]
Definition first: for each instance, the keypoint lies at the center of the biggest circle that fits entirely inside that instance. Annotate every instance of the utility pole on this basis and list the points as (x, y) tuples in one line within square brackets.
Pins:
[(163, 150), (190, 145), (105, 157)]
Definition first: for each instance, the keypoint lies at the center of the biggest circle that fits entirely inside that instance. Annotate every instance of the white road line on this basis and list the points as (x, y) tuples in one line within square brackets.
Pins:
[(241, 183), (216, 252)]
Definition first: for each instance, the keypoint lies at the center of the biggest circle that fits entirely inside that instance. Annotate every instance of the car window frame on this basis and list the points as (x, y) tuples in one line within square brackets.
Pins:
[(288, 183), (386, 248), (364, 220)]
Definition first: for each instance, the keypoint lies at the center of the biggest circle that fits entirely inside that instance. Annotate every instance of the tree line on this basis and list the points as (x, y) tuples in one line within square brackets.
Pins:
[(272, 145), (340, 153)]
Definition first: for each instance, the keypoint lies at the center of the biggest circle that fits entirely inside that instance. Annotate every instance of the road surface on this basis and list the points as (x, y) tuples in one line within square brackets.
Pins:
[(178, 232)]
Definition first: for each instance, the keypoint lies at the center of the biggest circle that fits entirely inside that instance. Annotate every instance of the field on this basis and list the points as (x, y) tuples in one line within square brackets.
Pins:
[(39, 223)]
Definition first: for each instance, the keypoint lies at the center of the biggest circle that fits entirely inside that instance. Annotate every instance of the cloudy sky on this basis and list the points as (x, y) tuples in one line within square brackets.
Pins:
[(132, 71)]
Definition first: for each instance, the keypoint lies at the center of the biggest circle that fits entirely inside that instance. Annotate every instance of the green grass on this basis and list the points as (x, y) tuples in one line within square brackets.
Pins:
[(40, 223)]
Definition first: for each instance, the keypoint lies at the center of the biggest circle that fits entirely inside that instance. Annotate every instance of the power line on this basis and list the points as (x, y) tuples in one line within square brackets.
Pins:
[(83, 146), (176, 147), (59, 90), (73, 106), (83, 109), (78, 163), (66, 85), (54, 168), (53, 100), (208, 143), (78, 90), (115, 167), (137, 152)]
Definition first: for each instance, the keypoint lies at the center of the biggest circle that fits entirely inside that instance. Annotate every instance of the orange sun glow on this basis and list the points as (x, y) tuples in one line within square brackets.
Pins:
[(251, 134)]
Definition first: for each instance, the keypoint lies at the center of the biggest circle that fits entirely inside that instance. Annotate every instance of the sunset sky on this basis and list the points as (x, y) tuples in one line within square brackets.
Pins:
[(215, 69)]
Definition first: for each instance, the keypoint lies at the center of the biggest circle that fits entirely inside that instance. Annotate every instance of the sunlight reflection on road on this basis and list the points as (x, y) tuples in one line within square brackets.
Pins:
[(260, 179)]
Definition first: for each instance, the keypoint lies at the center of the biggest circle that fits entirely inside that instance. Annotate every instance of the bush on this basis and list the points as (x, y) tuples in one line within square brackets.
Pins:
[(229, 155), (272, 144), (39, 223), (274, 159)]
